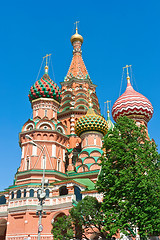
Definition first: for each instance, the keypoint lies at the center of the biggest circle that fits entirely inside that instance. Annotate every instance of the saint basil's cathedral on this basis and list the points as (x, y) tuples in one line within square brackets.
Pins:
[(62, 145)]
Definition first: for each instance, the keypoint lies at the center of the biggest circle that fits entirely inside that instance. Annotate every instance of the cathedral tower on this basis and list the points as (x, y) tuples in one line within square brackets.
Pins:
[(75, 91)]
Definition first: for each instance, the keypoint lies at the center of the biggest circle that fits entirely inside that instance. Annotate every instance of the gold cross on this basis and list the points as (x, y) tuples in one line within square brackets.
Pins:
[(107, 104), (127, 66), (76, 25), (47, 55)]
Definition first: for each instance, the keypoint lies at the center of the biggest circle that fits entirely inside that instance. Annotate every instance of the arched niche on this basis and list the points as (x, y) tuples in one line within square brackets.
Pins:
[(77, 192), (19, 194), (63, 191), (31, 193), (2, 200)]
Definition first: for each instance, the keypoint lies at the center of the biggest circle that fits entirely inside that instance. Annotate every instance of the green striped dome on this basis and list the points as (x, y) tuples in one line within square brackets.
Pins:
[(91, 122)]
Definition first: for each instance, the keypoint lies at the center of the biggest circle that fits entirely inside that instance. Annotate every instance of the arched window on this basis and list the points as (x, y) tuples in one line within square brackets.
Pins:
[(63, 191), (47, 193), (31, 193), (25, 193), (77, 192), (2, 200), (19, 194), (12, 195)]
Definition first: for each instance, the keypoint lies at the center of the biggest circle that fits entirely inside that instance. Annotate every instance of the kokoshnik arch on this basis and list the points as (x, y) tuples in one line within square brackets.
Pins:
[(68, 126)]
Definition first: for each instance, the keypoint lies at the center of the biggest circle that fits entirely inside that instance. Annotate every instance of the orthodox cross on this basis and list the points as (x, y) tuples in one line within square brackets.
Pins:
[(76, 25), (46, 57), (107, 104), (127, 66)]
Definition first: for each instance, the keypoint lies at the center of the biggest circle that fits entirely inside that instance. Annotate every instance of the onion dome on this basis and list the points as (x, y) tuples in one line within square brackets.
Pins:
[(76, 37), (91, 122), (109, 122), (45, 88), (132, 103)]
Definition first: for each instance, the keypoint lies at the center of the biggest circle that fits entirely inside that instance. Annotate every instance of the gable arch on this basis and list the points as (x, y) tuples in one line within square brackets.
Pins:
[(84, 154), (29, 126), (59, 127), (95, 153), (89, 160), (51, 126), (95, 167), (58, 214), (83, 168)]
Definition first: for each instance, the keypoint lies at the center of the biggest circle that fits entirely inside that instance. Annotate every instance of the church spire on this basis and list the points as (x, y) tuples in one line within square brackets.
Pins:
[(77, 68)]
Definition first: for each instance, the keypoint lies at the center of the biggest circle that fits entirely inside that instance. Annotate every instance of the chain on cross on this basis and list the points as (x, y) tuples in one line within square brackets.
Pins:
[(127, 66), (46, 57)]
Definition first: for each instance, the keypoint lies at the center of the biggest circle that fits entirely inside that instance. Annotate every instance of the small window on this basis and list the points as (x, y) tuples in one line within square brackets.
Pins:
[(2, 200), (31, 193), (12, 195), (86, 141), (63, 191), (45, 112), (19, 194), (77, 192), (45, 127), (94, 140), (47, 193)]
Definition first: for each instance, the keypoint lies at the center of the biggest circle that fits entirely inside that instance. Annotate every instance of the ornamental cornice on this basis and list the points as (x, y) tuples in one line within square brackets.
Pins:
[(80, 81)]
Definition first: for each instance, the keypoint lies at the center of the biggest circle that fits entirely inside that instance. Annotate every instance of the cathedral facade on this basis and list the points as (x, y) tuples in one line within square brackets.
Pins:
[(61, 147)]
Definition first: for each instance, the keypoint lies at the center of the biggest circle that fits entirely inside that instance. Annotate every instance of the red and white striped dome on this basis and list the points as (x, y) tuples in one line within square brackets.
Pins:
[(132, 103)]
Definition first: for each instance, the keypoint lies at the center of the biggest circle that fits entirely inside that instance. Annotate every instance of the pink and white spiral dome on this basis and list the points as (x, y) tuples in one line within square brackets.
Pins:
[(132, 103)]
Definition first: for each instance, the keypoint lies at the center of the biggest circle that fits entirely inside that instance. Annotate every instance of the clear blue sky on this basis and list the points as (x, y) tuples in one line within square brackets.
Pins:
[(115, 33)]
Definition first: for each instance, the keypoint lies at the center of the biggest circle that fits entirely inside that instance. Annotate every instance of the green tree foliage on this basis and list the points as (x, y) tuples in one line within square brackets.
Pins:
[(130, 181), (62, 228), (87, 217)]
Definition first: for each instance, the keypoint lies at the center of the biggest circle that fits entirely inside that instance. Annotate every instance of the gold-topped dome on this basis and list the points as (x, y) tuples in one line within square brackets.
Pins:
[(76, 37), (91, 122)]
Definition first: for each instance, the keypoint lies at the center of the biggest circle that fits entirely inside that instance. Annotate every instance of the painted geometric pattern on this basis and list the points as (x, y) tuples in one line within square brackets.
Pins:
[(91, 122), (45, 88), (132, 103), (89, 151), (77, 68)]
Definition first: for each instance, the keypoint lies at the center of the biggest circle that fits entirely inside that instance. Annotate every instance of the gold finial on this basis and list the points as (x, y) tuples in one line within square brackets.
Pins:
[(46, 67), (76, 26), (76, 36), (108, 116), (128, 78)]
